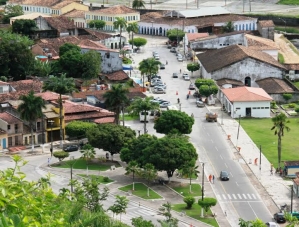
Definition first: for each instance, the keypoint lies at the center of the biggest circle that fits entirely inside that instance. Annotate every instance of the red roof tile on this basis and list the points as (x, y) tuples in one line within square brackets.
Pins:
[(60, 23), (104, 120), (117, 76), (194, 36), (266, 23), (246, 94), (9, 118), (117, 9), (51, 96)]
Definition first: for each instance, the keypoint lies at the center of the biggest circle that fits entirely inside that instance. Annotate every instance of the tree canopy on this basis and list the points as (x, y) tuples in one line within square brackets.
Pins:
[(16, 57), (206, 87), (192, 67), (138, 42), (11, 11), (175, 34), (228, 27), (77, 129), (110, 137), (97, 24), (24, 26), (166, 154), (174, 121)]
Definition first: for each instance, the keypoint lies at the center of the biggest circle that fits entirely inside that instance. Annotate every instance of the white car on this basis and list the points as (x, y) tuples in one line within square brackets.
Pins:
[(186, 77), (180, 59), (159, 90), (161, 86)]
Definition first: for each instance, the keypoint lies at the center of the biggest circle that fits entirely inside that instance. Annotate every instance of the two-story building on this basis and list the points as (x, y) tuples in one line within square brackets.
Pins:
[(49, 7), (14, 129)]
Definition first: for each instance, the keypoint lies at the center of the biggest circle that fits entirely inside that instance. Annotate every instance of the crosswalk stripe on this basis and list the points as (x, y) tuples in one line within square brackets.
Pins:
[(223, 196), (244, 196), (249, 197), (253, 195), (240, 197), (229, 197), (234, 196)]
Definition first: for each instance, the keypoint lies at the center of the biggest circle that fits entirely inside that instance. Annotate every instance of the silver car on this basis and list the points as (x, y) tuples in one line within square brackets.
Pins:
[(159, 90), (180, 58)]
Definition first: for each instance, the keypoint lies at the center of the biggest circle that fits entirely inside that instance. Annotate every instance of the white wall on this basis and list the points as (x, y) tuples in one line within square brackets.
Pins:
[(259, 109)]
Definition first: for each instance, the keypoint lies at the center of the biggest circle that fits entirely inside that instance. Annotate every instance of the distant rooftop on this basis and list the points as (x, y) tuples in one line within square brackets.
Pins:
[(200, 12)]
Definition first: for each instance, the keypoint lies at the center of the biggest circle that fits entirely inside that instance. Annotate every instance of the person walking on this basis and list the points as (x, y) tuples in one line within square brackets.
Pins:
[(178, 100), (180, 70), (210, 178), (213, 179), (189, 92), (187, 96), (166, 62)]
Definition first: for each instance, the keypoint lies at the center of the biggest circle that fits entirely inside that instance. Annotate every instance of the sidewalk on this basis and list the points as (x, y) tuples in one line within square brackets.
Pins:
[(274, 190)]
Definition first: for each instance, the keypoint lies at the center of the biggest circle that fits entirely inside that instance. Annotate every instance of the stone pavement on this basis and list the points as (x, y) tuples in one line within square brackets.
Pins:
[(274, 190)]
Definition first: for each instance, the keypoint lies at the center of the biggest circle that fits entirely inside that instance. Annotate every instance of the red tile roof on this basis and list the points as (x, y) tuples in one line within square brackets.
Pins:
[(51, 96), (27, 85), (82, 95), (194, 36), (275, 86), (246, 94), (60, 23), (9, 118), (48, 3), (75, 14), (266, 23), (117, 76), (117, 9)]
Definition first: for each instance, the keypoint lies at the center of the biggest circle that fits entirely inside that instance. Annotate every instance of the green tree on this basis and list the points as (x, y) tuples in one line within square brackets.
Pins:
[(41, 69), (120, 23), (61, 85), (228, 27), (149, 173), (165, 210), (136, 149), (189, 200), (134, 169), (206, 203), (115, 99), (138, 42), (61, 155), (140, 222), (143, 105), (11, 11), (98, 24), (110, 137), (120, 205), (200, 82), (44, 182), (206, 90), (190, 170), (175, 34), (132, 27), (16, 56), (192, 67), (71, 63), (91, 65), (68, 47), (77, 129), (149, 67), (173, 121), (88, 152), (30, 111), (287, 97), (138, 4), (24, 26), (279, 126)]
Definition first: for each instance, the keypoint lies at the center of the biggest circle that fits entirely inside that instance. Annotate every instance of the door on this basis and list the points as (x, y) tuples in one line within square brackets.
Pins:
[(248, 112), (4, 143)]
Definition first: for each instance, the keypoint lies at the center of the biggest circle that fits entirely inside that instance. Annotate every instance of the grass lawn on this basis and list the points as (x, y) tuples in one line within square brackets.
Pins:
[(141, 191), (100, 179), (260, 132), (288, 2), (81, 164), (195, 212), (196, 190), (131, 118), (296, 84)]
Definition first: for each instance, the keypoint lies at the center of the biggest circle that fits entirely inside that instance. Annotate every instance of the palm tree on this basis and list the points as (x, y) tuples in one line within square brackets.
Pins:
[(31, 110), (61, 85), (115, 99), (138, 4), (143, 105), (228, 27), (134, 169), (120, 23), (279, 126), (190, 170), (88, 152), (132, 27), (149, 173), (149, 67)]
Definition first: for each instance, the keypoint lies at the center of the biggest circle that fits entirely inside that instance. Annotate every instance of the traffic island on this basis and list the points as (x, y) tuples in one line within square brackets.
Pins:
[(140, 190)]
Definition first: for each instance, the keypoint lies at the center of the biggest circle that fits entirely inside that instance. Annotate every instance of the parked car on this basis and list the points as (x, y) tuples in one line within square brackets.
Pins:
[(279, 217), (173, 50), (295, 214), (200, 103), (156, 76), (180, 59), (186, 77), (71, 148), (196, 94), (169, 46), (224, 175), (155, 53), (191, 87), (175, 75), (271, 224), (177, 54), (164, 104), (162, 66), (157, 57), (159, 90)]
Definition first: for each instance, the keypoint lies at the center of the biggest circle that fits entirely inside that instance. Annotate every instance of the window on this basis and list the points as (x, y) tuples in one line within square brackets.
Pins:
[(266, 107), (8, 127), (238, 108), (258, 108), (262, 107), (254, 108)]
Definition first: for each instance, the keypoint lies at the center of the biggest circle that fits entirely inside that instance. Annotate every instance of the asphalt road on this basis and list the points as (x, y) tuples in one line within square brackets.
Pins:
[(237, 195)]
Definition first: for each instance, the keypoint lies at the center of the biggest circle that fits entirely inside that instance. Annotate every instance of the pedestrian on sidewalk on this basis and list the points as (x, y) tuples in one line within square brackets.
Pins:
[(271, 170), (166, 62), (178, 100), (210, 178), (213, 179), (187, 96), (189, 92), (180, 70)]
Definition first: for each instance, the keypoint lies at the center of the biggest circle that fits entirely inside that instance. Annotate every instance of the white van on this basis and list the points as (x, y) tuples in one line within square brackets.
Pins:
[(150, 115), (172, 108)]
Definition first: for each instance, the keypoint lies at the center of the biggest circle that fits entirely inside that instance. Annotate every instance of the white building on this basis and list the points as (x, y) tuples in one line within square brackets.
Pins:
[(246, 102)]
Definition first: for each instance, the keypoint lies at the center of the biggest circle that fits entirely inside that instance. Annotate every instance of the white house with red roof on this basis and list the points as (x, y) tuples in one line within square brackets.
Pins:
[(246, 102)]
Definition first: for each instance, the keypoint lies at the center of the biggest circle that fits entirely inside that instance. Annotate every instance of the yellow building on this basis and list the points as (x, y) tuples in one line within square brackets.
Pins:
[(67, 6), (109, 15)]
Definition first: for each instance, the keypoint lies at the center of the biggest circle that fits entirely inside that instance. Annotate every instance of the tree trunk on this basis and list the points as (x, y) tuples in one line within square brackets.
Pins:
[(147, 191), (190, 185), (144, 122), (61, 119), (133, 182), (120, 39), (279, 149), (132, 42)]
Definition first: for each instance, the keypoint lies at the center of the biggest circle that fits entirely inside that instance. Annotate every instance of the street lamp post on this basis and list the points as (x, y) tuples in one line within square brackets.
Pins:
[(51, 148), (72, 165)]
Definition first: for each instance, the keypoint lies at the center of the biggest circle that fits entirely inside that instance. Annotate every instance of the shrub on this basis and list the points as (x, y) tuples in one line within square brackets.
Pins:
[(105, 179), (189, 200), (287, 97), (297, 109), (273, 105), (60, 155), (291, 105)]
